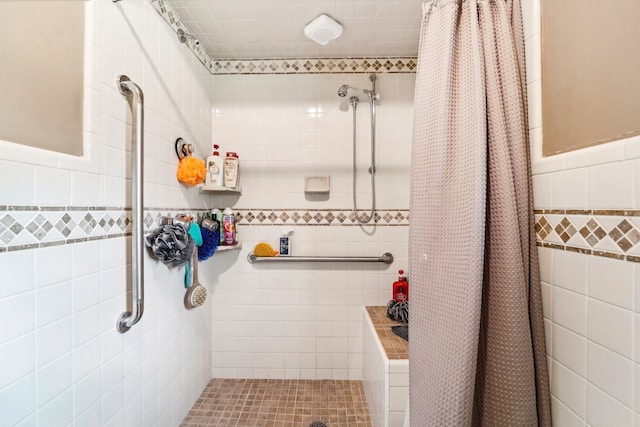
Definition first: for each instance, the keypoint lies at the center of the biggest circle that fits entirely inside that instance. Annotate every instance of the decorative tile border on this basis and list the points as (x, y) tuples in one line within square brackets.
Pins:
[(30, 227), (315, 65), (318, 217), (286, 65), (607, 233), (170, 16)]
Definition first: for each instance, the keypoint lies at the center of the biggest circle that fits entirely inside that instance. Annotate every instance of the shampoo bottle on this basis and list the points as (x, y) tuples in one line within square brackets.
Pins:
[(231, 170), (215, 167), (229, 227), (217, 215)]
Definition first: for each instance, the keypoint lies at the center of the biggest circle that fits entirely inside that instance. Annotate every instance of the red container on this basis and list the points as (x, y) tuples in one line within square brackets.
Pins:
[(401, 288)]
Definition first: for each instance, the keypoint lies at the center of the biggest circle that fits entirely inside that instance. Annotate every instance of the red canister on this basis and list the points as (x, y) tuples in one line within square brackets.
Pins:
[(401, 288)]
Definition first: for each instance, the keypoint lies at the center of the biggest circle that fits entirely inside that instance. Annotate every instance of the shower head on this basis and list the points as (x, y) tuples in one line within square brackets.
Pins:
[(342, 91)]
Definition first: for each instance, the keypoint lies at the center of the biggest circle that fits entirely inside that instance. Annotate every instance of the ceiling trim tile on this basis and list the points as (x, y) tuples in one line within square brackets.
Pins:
[(311, 65)]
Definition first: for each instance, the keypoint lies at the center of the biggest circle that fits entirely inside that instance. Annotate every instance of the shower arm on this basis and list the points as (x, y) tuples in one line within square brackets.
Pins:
[(373, 96)]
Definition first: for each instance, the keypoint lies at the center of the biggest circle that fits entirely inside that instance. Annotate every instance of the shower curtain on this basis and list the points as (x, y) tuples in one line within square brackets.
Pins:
[(477, 347)]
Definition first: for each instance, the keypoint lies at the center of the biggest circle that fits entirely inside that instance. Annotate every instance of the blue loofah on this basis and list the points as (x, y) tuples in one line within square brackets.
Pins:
[(210, 240)]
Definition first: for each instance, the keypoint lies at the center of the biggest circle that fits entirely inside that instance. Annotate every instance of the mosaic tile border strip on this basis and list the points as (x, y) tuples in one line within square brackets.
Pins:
[(318, 217), (31, 227), (284, 65), (315, 65), (606, 233)]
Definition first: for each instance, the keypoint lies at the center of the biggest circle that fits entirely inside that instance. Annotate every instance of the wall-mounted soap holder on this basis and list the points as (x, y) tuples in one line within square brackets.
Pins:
[(316, 185), (183, 148)]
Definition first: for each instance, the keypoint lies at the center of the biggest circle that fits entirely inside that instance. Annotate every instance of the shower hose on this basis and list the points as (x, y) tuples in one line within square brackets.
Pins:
[(372, 169)]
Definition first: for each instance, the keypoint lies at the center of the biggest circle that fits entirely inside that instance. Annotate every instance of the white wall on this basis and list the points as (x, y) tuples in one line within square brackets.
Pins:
[(375, 375), (63, 362), (591, 302), (305, 320)]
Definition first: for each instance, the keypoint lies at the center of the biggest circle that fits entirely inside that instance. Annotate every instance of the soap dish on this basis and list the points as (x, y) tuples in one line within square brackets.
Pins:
[(316, 185)]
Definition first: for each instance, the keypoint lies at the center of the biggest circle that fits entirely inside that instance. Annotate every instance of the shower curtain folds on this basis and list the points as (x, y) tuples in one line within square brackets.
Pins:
[(478, 355)]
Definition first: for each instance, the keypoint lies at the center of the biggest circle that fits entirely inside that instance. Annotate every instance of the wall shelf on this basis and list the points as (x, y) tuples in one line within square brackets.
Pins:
[(224, 248), (217, 189)]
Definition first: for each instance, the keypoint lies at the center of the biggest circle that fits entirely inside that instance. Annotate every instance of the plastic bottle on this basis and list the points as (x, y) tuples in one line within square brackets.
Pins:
[(229, 226), (285, 243), (215, 167), (401, 288), (231, 170), (217, 215)]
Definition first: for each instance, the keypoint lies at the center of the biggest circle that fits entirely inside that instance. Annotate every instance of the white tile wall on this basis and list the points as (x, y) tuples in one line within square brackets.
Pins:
[(375, 372), (70, 366), (398, 391), (285, 128), (591, 311), (63, 363), (386, 382)]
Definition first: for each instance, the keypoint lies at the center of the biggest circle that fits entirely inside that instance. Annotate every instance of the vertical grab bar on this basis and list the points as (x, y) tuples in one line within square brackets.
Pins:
[(136, 99)]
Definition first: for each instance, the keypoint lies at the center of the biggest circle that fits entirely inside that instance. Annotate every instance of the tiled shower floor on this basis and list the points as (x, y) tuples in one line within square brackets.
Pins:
[(281, 403)]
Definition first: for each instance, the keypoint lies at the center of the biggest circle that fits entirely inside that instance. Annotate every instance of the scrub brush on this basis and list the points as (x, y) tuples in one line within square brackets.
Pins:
[(196, 295)]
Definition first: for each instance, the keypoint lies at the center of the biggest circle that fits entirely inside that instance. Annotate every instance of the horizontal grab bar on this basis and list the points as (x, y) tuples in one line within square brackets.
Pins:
[(386, 258)]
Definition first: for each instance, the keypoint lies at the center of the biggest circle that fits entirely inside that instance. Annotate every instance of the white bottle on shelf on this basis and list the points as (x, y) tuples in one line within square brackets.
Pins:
[(215, 167), (231, 170), (285, 243)]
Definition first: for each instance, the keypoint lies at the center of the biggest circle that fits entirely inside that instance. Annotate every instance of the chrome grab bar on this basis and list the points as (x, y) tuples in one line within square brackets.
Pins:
[(136, 100), (386, 258)]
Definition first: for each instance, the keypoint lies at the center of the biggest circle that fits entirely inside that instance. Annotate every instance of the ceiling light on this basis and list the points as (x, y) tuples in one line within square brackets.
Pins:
[(323, 29)]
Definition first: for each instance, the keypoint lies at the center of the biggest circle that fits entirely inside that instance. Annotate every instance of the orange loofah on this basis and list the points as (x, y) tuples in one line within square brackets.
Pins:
[(264, 249), (191, 171)]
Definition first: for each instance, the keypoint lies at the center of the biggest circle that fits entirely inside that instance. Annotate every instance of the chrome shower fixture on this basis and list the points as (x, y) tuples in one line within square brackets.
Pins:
[(353, 101), (182, 37), (342, 90)]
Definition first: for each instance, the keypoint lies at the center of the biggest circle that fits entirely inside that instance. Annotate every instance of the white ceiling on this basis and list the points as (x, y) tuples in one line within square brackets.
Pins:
[(268, 29)]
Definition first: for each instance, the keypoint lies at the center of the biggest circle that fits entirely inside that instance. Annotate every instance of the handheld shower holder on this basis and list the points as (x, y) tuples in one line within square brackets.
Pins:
[(373, 96)]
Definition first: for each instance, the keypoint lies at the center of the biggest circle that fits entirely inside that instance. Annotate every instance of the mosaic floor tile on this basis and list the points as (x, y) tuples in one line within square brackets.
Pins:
[(281, 403)]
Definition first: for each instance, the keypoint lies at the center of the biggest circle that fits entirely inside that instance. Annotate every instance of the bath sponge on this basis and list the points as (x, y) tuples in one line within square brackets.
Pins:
[(191, 170), (264, 249), (171, 244)]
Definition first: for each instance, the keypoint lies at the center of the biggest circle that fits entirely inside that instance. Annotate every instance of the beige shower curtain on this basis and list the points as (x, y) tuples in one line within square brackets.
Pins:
[(477, 350)]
